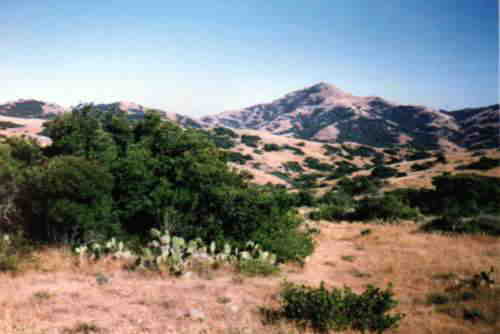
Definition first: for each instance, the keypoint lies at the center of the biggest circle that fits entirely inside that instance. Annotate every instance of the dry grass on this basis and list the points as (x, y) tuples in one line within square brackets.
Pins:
[(138, 302)]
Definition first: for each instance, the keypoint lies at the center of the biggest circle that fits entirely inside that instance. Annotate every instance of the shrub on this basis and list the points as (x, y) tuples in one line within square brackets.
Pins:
[(223, 142), (14, 250), (388, 208), (484, 163), (272, 147), (481, 224), (257, 268), (423, 166), (337, 309), (344, 168), (359, 185), (419, 155), (293, 166), (383, 172), (251, 141), (329, 212), (331, 150), (238, 158), (295, 150), (304, 181), (220, 131), (441, 158), (314, 163), (68, 199)]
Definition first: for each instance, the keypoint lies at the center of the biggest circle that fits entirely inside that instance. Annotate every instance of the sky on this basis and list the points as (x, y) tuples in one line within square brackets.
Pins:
[(204, 57)]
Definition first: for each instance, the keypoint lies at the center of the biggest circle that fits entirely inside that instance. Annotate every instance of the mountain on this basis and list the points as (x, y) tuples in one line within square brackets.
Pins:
[(31, 108), (480, 126), (323, 112)]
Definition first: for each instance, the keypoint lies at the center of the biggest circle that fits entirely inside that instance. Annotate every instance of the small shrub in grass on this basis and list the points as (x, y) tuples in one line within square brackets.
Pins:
[(437, 299), (295, 150), (290, 246), (337, 309), (14, 250), (257, 268), (272, 147)]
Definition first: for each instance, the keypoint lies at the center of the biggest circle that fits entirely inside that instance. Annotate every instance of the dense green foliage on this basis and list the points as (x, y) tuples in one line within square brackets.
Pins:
[(337, 309), (482, 224), (105, 175), (388, 208), (458, 195), (238, 157)]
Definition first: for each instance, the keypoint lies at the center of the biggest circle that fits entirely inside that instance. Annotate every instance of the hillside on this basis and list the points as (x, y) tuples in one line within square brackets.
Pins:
[(298, 163), (324, 112)]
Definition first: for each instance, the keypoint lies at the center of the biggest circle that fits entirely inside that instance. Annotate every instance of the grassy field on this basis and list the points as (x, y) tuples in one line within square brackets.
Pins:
[(54, 295)]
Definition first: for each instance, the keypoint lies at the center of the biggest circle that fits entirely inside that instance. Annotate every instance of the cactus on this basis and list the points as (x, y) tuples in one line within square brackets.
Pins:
[(175, 253)]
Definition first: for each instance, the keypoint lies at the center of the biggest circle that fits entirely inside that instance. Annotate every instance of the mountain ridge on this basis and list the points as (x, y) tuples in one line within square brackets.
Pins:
[(324, 112)]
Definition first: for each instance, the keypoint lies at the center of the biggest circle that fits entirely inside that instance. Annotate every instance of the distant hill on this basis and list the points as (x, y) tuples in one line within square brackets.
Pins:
[(324, 112), (31, 109), (35, 109), (480, 126)]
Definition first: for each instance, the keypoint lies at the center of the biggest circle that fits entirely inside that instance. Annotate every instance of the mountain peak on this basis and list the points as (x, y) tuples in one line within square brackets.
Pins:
[(327, 89)]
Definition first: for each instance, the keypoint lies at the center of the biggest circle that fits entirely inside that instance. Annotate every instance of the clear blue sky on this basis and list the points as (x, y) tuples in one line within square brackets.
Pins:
[(203, 57)]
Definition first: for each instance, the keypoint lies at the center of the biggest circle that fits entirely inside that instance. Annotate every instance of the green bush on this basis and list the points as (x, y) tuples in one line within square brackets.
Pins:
[(418, 155), (295, 150), (359, 185), (337, 309), (293, 166), (423, 166), (14, 251), (238, 158), (383, 172), (329, 212), (272, 147), (257, 268), (252, 141), (484, 163), (68, 199), (388, 208), (483, 224), (220, 131), (314, 163)]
